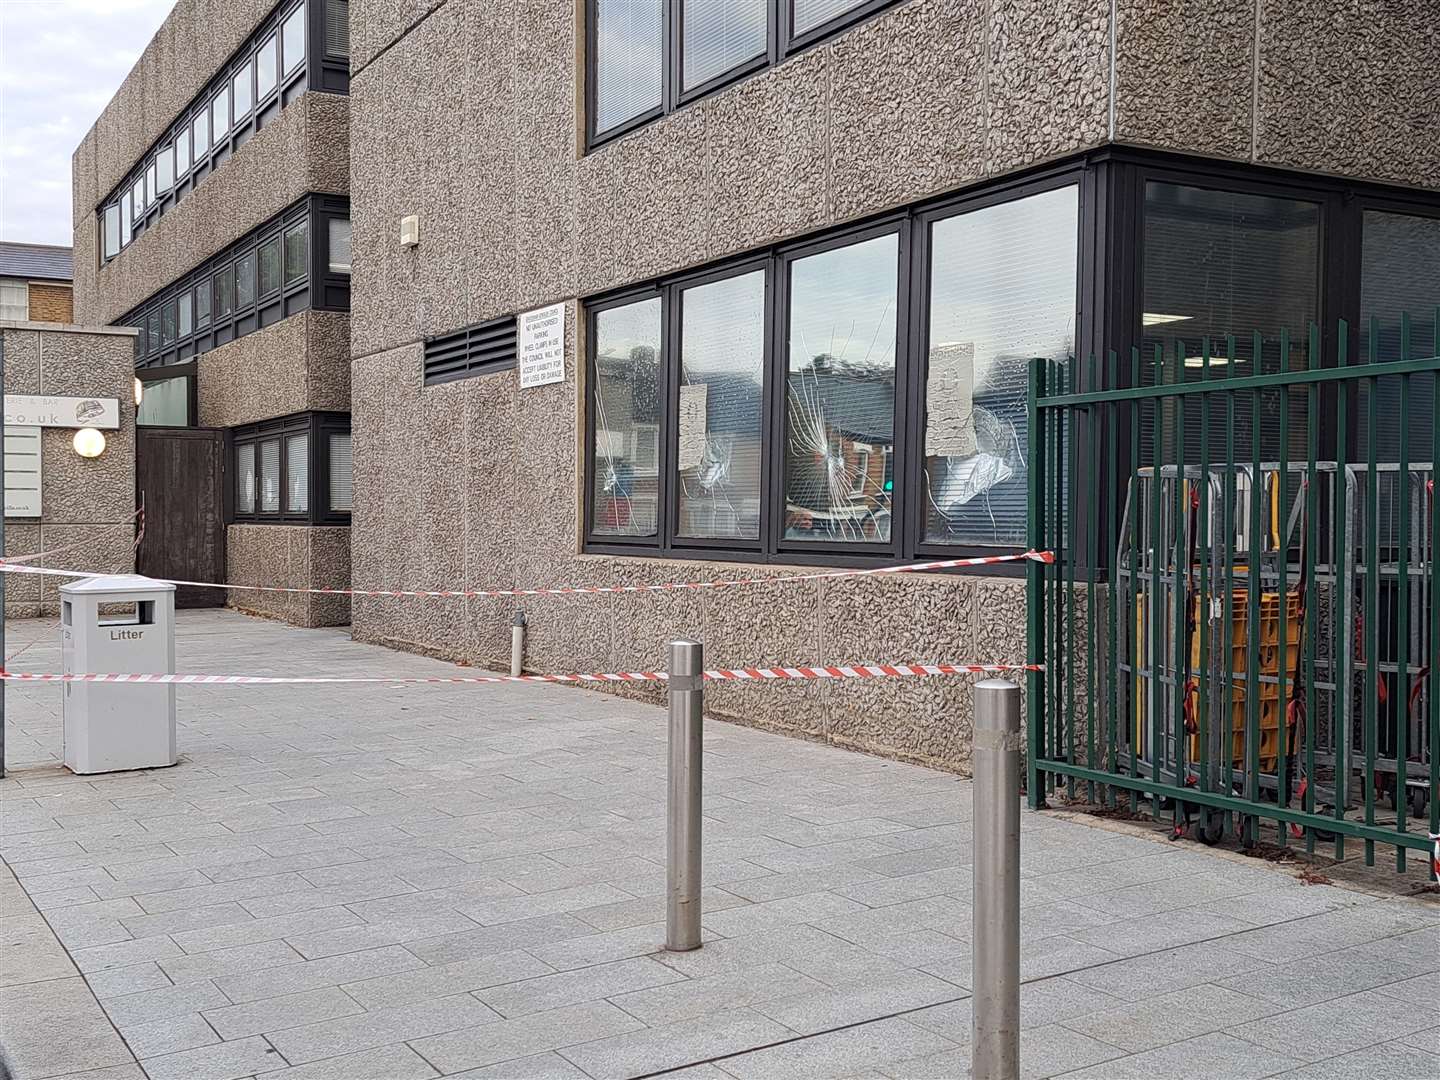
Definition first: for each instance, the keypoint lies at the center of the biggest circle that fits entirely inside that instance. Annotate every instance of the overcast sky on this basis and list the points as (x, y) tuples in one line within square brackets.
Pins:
[(60, 62)]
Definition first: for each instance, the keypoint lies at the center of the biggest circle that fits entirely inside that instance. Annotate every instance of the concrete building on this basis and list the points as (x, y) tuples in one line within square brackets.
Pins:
[(764, 222), (35, 283), (212, 214)]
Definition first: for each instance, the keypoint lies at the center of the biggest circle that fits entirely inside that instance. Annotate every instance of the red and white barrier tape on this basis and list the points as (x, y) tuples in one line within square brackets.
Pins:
[(90, 539), (848, 671), (578, 590)]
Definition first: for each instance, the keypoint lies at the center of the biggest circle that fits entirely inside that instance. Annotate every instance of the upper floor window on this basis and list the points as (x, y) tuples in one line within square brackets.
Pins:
[(649, 57), (14, 301)]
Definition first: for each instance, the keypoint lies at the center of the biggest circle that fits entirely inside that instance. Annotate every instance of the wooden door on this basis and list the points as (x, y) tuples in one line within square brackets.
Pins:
[(180, 482)]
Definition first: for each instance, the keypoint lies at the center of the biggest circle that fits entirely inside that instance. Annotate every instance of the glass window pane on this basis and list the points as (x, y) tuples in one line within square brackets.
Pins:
[(240, 90), (293, 34), (124, 219), (186, 321), (297, 472), (151, 187), (626, 451), (1218, 263), (811, 13), (342, 473), (224, 291), (182, 153), (245, 478), (295, 251), (265, 66), (340, 245), (270, 476), (1399, 274), (719, 34), (152, 322), (167, 323), (202, 304), (629, 59), (720, 429), (167, 402), (337, 27), (112, 231), (200, 131), (270, 266), (164, 170), (245, 281), (15, 303), (138, 198), (220, 113), (1002, 290), (840, 424)]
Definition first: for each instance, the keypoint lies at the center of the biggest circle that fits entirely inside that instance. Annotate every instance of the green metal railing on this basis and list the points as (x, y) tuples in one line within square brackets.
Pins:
[(1241, 622)]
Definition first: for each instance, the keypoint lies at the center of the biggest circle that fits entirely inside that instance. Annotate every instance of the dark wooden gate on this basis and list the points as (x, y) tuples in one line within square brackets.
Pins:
[(180, 481)]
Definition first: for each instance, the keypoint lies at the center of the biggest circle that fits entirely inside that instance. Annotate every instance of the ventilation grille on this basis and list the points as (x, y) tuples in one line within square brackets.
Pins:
[(476, 350), (337, 27)]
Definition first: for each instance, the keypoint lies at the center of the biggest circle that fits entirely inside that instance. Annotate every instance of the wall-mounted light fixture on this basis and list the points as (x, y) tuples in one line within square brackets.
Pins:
[(139, 392), (89, 442)]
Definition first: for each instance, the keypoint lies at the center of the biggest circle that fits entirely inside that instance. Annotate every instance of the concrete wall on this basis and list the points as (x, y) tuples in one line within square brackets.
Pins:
[(296, 556), (87, 505), (297, 365)]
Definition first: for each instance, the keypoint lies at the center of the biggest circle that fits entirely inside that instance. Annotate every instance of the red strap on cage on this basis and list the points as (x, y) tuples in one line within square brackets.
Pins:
[(1295, 830)]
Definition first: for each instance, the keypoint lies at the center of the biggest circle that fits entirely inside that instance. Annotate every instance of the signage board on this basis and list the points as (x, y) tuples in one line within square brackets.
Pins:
[(22, 471), (42, 410), (542, 346)]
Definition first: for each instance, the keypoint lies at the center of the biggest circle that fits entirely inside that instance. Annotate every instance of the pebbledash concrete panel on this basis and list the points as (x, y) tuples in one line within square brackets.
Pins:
[(296, 556), (304, 149), (299, 364)]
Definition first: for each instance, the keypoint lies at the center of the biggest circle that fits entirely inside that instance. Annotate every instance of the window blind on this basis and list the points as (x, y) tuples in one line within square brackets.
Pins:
[(719, 35), (342, 473), (270, 476), (297, 472)]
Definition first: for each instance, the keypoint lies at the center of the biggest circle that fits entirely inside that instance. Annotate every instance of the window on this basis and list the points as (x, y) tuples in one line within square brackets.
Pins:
[(270, 476), (340, 245), (202, 305), (112, 231), (125, 220), (166, 401), (152, 329), (1002, 290), (14, 301), (629, 60), (266, 67), (182, 153), (720, 415), (245, 281), (270, 266), (186, 313), (720, 35), (649, 57), (624, 502), (297, 472), (220, 113), (200, 131), (840, 390), (167, 324), (152, 187), (245, 479), (240, 90), (337, 28), (295, 252), (223, 286), (342, 473), (164, 170), (293, 40), (138, 198)]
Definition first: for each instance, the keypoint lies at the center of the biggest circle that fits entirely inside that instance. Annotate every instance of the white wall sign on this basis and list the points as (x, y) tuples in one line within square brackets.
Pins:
[(22, 471), (542, 346), (40, 410)]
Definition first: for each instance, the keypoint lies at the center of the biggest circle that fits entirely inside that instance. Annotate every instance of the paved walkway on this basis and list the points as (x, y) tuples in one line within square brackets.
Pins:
[(402, 883)]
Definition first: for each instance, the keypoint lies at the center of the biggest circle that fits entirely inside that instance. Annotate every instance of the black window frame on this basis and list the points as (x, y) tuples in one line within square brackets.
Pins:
[(314, 290), (780, 44), (912, 227), (317, 427), (317, 70)]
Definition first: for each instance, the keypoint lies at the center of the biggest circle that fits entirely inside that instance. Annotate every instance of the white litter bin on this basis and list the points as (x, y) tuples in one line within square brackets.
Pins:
[(113, 726)]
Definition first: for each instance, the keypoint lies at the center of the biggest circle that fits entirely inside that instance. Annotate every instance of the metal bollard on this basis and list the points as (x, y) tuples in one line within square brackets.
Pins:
[(517, 644), (682, 856), (995, 1023)]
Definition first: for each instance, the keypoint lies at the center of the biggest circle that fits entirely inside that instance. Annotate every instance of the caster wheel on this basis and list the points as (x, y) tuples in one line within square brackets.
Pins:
[(1210, 829), (1419, 802)]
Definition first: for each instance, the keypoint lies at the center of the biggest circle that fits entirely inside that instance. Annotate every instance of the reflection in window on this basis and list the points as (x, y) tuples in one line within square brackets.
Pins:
[(137, 197), (150, 185), (1399, 274), (200, 131), (270, 476), (624, 498), (342, 473), (719, 35), (270, 266), (265, 67), (722, 355), (811, 13), (202, 304), (182, 153), (339, 245), (112, 231), (164, 170), (1222, 262), (14, 301), (245, 478), (124, 219), (166, 403), (297, 472), (167, 323), (186, 313), (629, 60), (220, 113), (293, 35), (245, 281), (224, 291), (840, 400), (240, 89), (1002, 291), (295, 249)]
